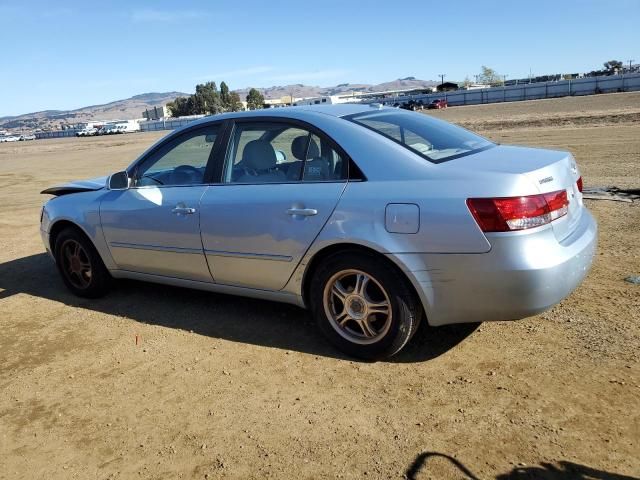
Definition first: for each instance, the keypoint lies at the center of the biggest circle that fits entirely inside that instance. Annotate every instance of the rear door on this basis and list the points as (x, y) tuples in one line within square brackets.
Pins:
[(279, 185)]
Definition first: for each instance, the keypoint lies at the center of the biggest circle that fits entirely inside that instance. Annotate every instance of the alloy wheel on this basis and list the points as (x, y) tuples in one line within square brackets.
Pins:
[(357, 306), (76, 264)]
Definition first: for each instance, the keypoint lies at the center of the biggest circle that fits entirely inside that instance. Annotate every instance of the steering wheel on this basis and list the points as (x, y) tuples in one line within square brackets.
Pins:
[(190, 171), (151, 178)]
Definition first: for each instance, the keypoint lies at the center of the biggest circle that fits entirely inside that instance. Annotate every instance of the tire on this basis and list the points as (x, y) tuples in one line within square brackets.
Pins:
[(80, 265), (348, 295)]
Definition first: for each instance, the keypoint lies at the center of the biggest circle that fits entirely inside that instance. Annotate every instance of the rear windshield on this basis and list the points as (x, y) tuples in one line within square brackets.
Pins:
[(433, 139)]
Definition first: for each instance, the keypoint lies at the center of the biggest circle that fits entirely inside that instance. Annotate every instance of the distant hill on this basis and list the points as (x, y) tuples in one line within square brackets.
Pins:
[(119, 110), (299, 90), (133, 107)]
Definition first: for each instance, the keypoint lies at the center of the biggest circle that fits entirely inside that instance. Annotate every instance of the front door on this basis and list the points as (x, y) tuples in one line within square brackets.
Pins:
[(154, 226), (280, 185)]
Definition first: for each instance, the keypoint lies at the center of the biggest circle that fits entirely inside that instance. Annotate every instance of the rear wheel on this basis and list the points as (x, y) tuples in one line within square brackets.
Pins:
[(363, 306), (80, 265)]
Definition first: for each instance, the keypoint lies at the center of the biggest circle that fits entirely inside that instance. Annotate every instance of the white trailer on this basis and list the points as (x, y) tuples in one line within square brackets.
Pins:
[(127, 126)]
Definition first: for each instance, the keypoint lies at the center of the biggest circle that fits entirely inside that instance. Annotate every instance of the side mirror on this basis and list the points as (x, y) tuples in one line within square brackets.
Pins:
[(119, 181)]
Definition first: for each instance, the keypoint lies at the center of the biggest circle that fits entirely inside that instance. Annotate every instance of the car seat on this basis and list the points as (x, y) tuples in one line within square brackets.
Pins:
[(259, 164), (315, 168)]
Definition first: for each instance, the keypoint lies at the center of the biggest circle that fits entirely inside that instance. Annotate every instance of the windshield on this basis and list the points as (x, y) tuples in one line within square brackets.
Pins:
[(433, 139)]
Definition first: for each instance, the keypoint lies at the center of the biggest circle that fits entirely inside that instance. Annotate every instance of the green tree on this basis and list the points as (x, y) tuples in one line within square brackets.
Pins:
[(224, 97), (235, 104), (179, 107), (255, 100), (612, 66), (207, 99), (489, 76)]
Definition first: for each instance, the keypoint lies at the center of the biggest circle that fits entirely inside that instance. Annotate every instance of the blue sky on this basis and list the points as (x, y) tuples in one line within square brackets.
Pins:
[(64, 55)]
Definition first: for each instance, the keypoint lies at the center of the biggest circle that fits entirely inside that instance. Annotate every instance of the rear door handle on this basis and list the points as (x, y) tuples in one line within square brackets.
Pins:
[(305, 212)]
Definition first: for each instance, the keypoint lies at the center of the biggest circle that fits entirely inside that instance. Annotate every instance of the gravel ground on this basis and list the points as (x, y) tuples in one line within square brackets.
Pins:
[(224, 387)]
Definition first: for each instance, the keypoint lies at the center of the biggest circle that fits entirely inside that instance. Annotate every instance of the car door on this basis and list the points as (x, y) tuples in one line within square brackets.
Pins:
[(153, 227), (280, 183)]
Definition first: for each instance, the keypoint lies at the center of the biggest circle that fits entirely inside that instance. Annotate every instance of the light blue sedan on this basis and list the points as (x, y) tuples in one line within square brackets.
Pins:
[(373, 218)]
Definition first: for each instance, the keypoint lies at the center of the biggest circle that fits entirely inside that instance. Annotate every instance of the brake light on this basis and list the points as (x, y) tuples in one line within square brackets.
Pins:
[(579, 184), (518, 213)]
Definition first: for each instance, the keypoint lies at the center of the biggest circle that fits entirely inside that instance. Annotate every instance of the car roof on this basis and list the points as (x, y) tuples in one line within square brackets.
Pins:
[(339, 110)]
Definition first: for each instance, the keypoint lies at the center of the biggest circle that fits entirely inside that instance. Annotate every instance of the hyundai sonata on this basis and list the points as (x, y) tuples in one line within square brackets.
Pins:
[(373, 218)]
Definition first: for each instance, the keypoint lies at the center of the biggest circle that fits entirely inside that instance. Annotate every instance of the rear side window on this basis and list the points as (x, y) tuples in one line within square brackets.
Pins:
[(435, 140), (278, 152)]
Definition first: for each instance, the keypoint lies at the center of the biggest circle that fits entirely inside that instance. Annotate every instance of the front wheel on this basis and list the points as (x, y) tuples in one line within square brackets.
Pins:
[(80, 265), (363, 306)]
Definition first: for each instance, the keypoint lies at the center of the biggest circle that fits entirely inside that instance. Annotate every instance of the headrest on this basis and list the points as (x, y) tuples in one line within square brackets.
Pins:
[(299, 145), (259, 155)]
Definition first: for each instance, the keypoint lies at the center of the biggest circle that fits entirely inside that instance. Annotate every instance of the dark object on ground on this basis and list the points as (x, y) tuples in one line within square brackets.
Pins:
[(612, 193)]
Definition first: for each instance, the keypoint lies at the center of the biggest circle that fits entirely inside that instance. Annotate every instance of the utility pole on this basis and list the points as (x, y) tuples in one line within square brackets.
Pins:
[(630, 61), (442, 75)]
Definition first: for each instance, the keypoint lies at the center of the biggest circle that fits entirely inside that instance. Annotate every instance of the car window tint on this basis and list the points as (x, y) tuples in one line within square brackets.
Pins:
[(433, 139), (285, 146), (386, 128), (264, 152), (322, 162), (183, 162), (261, 152), (247, 136)]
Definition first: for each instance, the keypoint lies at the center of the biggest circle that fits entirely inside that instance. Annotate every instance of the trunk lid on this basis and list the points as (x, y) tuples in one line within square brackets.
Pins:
[(548, 170)]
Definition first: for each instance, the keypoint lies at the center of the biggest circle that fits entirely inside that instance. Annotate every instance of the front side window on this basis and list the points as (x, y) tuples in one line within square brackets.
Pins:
[(265, 152), (181, 162), (435, 140)]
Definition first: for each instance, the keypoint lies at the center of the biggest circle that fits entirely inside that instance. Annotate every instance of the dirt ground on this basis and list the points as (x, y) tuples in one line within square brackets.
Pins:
[(225, 387)]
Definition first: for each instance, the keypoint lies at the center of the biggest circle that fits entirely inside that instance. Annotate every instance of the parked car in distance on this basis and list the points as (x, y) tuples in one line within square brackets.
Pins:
[(121, 127), (24, 138), (413, 105), (9, 138), (87, 132), (438, 103), (372, 218), (110, 130)]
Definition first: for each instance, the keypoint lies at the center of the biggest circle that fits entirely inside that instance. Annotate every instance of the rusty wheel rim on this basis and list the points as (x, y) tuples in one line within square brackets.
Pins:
[(76, 264)]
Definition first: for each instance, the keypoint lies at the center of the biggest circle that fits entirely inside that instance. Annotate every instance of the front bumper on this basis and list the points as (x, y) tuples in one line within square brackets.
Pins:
[(523, 274), (45, 240)]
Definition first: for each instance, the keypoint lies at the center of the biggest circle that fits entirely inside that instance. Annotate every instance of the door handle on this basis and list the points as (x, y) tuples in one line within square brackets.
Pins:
[(180, 210), (305, 212)]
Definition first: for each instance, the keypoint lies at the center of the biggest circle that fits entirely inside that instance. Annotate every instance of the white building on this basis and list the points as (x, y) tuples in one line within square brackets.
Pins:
[(156, 113), (476, 86), (328, 100)]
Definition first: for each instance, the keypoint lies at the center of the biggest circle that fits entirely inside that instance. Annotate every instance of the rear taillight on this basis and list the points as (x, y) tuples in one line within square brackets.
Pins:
[(518, 213), (579, 184)]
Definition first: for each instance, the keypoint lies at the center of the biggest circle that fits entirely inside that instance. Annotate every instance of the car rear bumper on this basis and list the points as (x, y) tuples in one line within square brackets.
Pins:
[(523, 274)]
